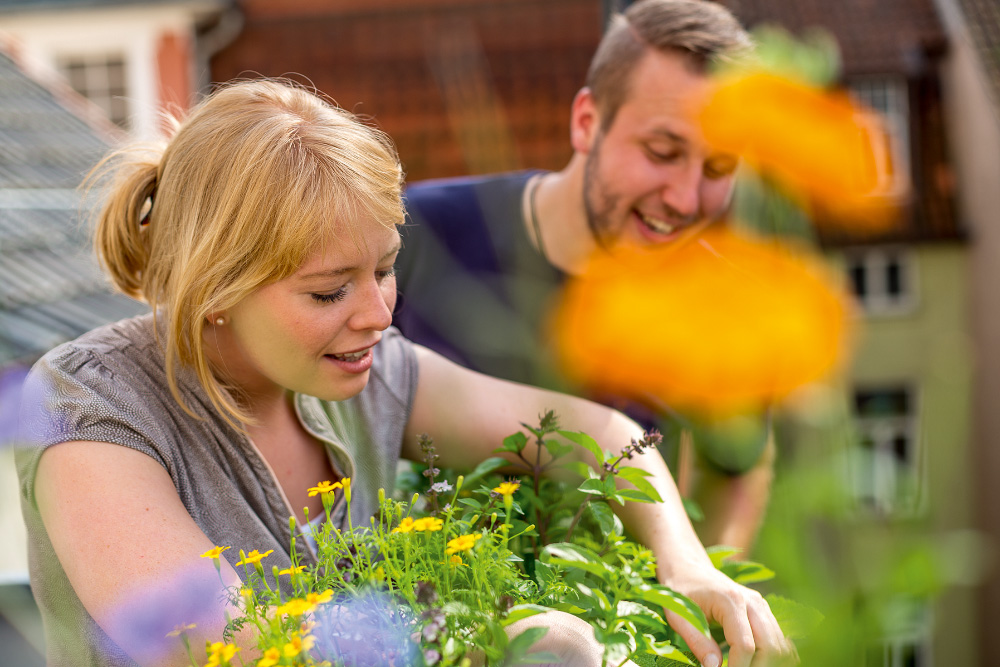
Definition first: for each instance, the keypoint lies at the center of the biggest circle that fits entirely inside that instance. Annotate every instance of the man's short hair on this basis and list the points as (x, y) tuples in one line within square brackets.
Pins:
[(704, 32)]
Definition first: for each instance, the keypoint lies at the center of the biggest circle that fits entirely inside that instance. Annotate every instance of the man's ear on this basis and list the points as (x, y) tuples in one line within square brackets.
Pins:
[(585, 121)]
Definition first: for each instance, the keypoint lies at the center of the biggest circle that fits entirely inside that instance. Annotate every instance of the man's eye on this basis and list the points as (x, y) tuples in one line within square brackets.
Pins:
[(330, 298), (658, 156), (720, 166)]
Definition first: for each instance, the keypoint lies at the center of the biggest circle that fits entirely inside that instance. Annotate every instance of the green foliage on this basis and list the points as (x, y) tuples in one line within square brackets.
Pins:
[(436, 578)]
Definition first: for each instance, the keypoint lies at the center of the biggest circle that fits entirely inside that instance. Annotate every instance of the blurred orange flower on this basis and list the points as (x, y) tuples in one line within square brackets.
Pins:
[(827, 152), (720, 325)]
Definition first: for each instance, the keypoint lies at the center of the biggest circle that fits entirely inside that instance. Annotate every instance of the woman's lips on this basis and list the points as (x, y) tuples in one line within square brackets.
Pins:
[(353, 362)]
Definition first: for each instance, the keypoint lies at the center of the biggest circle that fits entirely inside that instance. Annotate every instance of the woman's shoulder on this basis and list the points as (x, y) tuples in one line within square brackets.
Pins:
[(112, 345)]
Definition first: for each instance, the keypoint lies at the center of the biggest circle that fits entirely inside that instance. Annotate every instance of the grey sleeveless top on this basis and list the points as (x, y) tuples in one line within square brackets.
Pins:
[(110, 386)]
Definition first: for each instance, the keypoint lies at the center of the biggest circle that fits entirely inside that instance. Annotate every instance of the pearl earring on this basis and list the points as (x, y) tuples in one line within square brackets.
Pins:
[(220, 321)]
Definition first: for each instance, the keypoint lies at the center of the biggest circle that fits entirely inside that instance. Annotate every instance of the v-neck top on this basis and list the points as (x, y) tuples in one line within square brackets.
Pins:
[(110, 386)]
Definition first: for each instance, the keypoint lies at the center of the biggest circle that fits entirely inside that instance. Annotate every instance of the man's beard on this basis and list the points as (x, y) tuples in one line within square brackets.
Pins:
[(598, 204)]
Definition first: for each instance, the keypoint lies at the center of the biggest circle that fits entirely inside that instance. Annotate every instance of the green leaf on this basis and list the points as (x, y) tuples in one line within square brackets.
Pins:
[(675, 602), (483, 469), (514, 442), (693, 510), (797, 620), (520, 645), (592, 486), (636, 496), (746, 572), (580, 469), (721, 552), (587, 443), (609, 486), (639, 613), (665, 649), (637, 477), (557, 449), (604, 517), (575, 556), (521, 611)]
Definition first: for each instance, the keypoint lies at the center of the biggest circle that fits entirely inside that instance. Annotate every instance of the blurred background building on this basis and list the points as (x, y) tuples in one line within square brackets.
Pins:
[(475, 86)]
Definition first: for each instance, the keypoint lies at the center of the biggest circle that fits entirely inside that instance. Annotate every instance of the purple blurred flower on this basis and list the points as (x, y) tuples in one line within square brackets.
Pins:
[(11, 381)]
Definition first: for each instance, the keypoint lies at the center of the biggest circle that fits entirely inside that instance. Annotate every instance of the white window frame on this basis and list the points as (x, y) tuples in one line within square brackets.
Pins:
[(918, 636), (877, 302), (879, 464), (95, 66), (893, 122)]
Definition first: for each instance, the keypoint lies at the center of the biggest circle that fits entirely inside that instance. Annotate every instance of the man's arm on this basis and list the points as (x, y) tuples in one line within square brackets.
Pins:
[(468, 414), (734, 505)]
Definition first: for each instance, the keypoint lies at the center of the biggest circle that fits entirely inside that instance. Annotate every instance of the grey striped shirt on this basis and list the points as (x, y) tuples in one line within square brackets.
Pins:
[(110, 386)]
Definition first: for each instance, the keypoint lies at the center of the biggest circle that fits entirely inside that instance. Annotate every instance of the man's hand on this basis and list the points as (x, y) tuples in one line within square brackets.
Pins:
[(752, 632)]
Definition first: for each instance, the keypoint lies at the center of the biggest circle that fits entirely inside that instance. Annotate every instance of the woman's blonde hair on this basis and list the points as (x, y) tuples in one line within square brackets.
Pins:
[(259, 175)]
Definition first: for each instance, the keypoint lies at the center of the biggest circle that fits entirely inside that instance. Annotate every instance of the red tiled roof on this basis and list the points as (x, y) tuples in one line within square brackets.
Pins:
[(983, 20), (875, 36)]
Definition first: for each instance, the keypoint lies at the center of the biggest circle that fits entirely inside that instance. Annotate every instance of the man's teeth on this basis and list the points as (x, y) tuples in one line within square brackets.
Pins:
[(350, 356), (657, 225)]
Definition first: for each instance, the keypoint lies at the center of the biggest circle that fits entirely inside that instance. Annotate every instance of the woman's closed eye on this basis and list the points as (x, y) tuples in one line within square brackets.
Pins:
[(332, 297)]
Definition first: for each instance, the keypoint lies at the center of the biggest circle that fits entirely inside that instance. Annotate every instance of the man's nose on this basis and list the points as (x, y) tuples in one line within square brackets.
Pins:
[(681, 194)]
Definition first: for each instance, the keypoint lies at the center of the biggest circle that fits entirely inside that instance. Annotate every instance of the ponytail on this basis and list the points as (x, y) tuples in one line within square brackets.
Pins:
[(121, 238)]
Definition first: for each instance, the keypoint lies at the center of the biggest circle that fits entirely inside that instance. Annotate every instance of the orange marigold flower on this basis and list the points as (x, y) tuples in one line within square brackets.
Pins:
[(816, 143), (429, 524), (405, 526), (719, 325), (325, 487), (507, 488), (255, 557), (462, 543)]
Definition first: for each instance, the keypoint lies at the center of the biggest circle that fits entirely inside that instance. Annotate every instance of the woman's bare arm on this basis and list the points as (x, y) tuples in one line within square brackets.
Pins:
[(130, 549)]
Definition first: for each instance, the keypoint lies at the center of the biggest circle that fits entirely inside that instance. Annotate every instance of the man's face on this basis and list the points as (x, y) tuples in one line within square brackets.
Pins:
[(649, 176)]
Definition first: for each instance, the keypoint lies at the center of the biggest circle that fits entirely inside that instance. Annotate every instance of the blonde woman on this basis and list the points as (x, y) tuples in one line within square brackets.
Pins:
[(263, 237)]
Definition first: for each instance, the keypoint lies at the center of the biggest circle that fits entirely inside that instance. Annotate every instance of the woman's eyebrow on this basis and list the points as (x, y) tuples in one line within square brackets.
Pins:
[(333, 273)]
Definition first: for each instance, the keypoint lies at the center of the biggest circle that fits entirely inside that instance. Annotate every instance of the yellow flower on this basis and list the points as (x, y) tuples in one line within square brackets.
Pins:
[(405, 526), (319, 598), (347, 489), (214, 552), (295, 607), (292, 570), (220, 654), (181, 629), (297, 645), (727, 324), (455, 560), (429, 524), (246, 592), (255, 557), (507, 488), (271, 658), (325, 487), (462, 543)]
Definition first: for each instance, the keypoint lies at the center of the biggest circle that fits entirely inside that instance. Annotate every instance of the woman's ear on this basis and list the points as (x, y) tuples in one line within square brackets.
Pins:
[(217, 318), (585, 121)]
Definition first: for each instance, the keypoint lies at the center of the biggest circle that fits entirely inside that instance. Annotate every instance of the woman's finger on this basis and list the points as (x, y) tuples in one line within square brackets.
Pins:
[(703, 646)]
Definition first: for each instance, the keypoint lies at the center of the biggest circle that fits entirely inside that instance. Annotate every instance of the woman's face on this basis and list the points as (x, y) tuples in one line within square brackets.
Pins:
[(313, 332)]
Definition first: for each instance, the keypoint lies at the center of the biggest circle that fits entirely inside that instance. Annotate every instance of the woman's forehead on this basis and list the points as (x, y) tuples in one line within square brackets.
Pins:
[(366, 243)]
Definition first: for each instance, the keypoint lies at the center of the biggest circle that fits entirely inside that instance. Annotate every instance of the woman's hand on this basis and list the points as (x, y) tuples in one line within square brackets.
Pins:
[(752, 632)]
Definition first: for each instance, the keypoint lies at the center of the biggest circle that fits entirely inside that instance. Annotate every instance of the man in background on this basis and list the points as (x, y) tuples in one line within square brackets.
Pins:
[(484, 255)]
